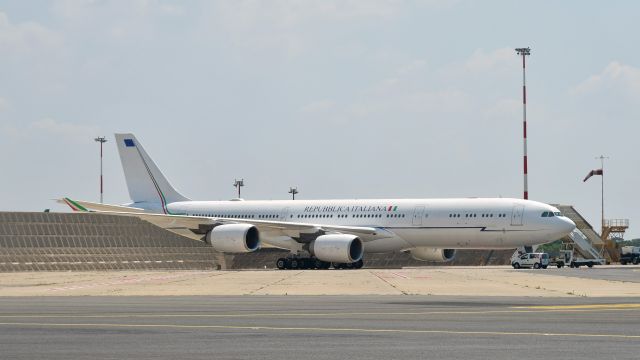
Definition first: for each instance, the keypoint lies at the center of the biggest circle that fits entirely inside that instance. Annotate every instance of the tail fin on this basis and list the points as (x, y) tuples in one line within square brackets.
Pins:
[(145, 181)]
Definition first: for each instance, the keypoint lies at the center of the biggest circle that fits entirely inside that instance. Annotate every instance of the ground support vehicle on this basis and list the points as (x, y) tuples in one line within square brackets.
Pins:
[(568, 258), (630, 255), (530, 260)]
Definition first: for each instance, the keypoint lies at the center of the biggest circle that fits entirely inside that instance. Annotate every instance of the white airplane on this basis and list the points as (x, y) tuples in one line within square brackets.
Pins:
[(319, 233)]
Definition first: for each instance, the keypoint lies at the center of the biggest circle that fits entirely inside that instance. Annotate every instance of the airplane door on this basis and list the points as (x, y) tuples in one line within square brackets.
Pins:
[(418, 214), (284, 215), (516, 215)]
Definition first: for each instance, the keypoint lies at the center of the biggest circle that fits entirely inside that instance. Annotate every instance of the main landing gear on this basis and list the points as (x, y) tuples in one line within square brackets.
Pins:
[(297, 263)]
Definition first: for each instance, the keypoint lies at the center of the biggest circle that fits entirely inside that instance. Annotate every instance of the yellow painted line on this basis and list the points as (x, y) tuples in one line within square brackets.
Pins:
[(514, 310), (574, 307), (324, 329)]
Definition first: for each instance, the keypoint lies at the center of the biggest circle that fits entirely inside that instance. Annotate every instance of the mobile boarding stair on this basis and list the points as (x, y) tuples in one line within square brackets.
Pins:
[(584, 240)]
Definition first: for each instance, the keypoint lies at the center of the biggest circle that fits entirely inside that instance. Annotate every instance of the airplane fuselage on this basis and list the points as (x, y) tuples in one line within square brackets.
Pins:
[(474, 223)]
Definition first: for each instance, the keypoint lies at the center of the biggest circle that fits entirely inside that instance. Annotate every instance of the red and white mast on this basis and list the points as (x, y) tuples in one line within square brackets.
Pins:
[(524, 52)]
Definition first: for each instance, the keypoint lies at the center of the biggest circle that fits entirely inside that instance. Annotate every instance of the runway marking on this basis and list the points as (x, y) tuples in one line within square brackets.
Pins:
[(572, 307), (90, 262), (323, 329), (513, 310), (400, 275)]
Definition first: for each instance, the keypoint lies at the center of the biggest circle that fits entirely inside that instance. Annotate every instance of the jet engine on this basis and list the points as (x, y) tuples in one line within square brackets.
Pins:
[(337, 248), (432, 254), (234, 238)]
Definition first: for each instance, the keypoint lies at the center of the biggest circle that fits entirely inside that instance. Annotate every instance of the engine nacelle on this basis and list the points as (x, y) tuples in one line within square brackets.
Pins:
[(234, 238), (337, 248), (432, 254)]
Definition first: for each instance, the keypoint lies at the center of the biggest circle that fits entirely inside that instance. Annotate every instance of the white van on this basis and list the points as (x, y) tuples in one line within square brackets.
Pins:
[(531, 260)]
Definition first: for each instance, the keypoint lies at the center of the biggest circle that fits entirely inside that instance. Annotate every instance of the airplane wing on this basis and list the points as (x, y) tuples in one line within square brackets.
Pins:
[(196, 227), (87, 206)]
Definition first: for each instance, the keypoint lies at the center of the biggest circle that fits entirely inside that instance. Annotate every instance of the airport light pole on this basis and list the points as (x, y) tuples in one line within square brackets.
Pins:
[(238, 184), (602, 158), (101, 140), (524, 52), (293, 191)]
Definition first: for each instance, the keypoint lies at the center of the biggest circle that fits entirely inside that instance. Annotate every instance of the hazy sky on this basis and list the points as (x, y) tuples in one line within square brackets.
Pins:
[(345, 99)]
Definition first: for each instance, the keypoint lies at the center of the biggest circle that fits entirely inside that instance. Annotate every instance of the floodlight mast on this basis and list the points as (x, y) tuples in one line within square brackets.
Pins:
[(524, 52), (238, 184), (293, 191), (101, 140)]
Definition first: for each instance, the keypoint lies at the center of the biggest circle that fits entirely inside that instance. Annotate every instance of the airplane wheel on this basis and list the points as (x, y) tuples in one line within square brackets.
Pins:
[(280, 264), (303, 264), (358, 264), (294, 264), (317, 264)]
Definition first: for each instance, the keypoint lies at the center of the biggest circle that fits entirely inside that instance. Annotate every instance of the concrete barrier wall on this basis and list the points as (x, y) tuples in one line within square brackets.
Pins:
[(31, 241), (80, 241)]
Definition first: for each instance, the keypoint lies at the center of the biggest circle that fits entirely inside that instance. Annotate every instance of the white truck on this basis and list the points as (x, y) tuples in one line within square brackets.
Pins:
[(630, 255)]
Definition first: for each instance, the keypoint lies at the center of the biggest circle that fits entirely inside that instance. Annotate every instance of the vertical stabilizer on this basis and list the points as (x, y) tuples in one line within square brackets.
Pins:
[(145, 181)]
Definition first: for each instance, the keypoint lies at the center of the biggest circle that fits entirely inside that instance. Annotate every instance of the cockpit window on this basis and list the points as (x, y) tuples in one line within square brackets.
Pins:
[(551, 214)]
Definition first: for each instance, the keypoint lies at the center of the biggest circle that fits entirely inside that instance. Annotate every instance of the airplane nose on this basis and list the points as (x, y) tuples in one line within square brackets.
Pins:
[(568, 224)]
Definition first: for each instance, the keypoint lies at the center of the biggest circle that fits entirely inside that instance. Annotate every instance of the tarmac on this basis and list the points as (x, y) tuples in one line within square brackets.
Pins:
[(455, 313), (318, 327), (609, 281)]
